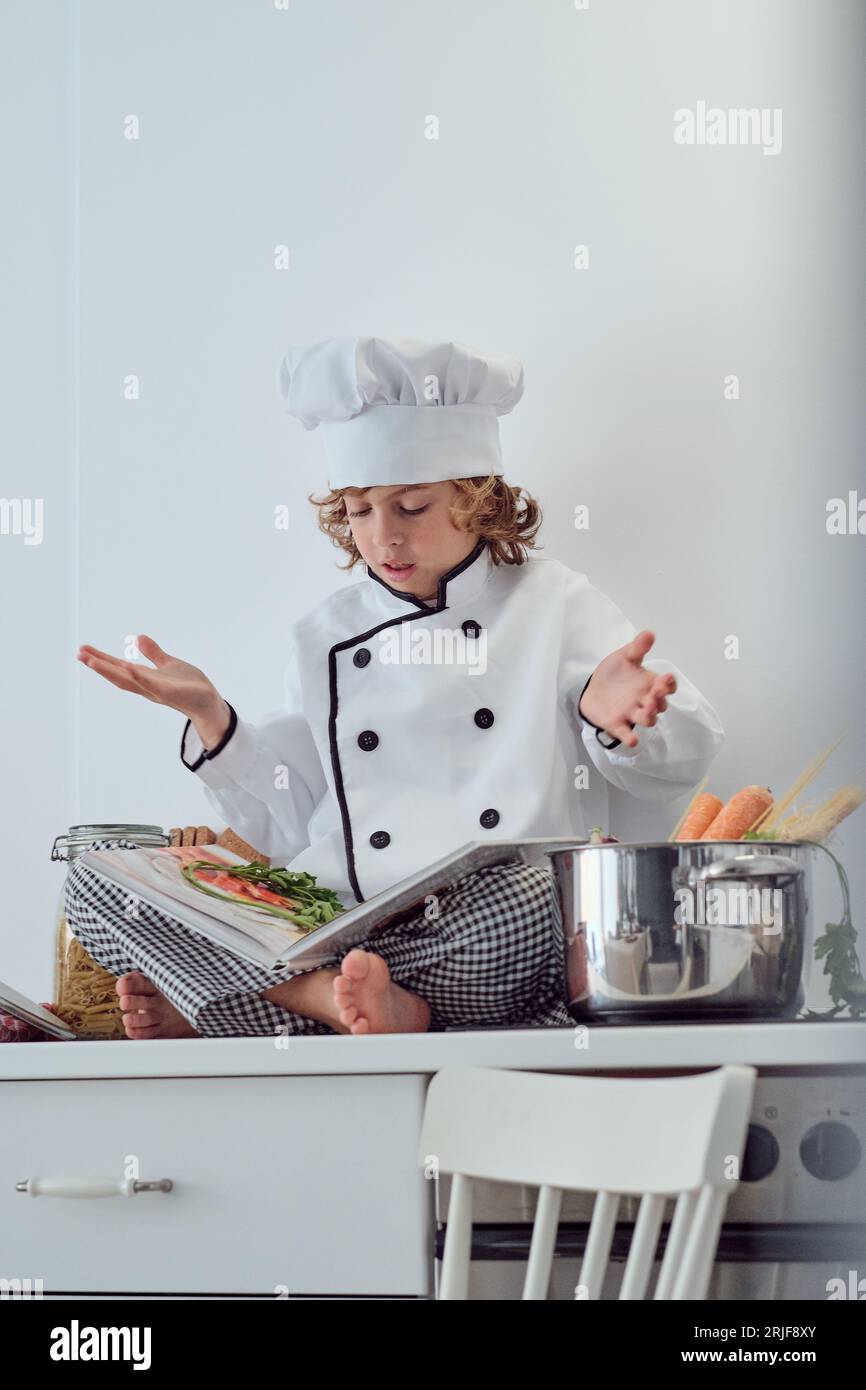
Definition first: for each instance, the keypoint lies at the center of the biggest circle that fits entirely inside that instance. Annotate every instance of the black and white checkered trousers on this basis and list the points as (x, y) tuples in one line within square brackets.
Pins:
[(492, 957)]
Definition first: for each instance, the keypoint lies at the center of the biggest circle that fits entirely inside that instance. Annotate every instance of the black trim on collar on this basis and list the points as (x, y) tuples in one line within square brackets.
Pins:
[(208, 753), (410, 598), (443, 582)]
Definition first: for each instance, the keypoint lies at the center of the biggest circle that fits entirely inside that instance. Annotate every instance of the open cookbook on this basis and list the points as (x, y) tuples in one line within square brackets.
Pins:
[(276, 918)]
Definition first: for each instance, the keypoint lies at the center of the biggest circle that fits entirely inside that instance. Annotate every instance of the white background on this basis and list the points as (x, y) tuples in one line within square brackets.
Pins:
[(306, 127)]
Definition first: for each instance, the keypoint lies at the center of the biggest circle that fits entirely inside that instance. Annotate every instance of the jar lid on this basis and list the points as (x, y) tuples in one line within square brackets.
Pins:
[(78, 837)]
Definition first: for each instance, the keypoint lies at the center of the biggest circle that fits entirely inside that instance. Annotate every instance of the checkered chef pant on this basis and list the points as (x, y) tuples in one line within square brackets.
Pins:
[(492, 958)]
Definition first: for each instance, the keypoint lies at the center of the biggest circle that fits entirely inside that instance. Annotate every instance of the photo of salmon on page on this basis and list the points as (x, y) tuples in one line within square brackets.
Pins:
[(221, 895)]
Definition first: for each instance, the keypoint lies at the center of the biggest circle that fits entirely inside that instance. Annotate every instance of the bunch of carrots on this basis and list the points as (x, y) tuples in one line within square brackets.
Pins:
[(753, 812), (709, 818)]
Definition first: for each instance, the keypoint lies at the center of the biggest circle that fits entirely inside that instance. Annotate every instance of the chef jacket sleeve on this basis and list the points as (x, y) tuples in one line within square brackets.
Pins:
[(267, 778), (673, 755)]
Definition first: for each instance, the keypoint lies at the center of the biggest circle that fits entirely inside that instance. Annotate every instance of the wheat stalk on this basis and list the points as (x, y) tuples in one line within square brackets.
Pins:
[(817, 822), (769, 821)]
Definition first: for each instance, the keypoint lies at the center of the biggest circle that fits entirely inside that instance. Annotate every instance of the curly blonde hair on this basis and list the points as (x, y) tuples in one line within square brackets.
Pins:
[(507, 517)]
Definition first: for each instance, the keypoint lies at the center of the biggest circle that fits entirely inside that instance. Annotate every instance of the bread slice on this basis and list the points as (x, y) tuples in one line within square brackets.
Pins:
[(229, 840)]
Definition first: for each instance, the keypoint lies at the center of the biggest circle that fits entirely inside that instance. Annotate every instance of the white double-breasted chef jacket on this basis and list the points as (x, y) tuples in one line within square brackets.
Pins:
[(410, 730)]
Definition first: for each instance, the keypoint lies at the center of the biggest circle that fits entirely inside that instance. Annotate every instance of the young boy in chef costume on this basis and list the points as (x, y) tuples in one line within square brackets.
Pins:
[(386, 754)]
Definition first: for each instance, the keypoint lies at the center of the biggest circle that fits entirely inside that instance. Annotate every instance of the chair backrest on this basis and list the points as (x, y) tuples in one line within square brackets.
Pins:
[(657, 1137)]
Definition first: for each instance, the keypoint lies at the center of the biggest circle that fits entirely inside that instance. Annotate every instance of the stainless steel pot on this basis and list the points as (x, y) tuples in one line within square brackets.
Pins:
[(699, 928)]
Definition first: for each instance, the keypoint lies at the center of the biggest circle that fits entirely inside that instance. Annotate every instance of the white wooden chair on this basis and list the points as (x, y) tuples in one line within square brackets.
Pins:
[(657, 1137)]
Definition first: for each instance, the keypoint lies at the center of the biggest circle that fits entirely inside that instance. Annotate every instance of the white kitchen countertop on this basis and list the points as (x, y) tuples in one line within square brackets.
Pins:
[(784, 1044)]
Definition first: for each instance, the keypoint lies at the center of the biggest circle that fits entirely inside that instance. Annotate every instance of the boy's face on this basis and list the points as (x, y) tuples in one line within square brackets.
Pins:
[(408, 526)]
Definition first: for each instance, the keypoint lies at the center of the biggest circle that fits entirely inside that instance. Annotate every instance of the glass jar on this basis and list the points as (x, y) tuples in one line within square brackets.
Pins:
[(84, 992)]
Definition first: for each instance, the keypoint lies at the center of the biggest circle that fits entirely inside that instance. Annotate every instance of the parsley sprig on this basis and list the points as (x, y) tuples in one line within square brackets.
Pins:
[(837, 948), (316, 907)]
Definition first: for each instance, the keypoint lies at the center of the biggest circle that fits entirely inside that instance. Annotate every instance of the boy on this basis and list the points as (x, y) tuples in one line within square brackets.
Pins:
[(435, 703)]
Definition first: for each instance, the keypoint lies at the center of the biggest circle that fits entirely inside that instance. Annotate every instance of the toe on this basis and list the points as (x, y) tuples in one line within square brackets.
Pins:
[(130, 1002), (138, 1030), (135, 983), (348, 1015), (356, 964), (141, 1018), (361, 1025)]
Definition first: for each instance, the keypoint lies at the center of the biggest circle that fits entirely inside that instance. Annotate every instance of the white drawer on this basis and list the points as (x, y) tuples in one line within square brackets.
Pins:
[(307, 1182)]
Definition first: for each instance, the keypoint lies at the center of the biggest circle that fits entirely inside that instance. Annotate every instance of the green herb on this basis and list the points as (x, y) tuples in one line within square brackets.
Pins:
[(837, 949), (316, 907)]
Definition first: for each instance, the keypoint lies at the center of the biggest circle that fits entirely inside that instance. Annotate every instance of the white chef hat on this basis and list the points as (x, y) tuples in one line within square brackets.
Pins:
[(399, 410)]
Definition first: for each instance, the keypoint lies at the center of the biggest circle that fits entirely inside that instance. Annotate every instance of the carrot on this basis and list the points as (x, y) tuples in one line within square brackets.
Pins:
[(702, 812), (740, 814)]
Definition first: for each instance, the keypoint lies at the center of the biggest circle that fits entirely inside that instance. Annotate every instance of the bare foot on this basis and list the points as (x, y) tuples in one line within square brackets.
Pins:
[(147, 1013), (368, 1000)]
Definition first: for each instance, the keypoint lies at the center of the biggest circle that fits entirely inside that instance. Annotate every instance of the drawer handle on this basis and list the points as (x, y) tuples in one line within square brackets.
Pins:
[(90, 1187)]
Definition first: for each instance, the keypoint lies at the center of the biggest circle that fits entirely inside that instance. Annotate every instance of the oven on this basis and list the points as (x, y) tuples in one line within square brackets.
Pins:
[(794, 1228)]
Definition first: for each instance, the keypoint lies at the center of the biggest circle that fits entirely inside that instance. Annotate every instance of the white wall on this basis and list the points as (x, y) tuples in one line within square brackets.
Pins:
[(39, 754), (260, 126)]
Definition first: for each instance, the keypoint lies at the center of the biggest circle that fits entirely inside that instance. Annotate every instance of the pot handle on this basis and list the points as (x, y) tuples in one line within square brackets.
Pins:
[(746, 866)]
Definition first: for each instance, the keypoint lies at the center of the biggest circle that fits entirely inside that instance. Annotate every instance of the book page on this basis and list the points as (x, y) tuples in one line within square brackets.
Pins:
[(145, 870)]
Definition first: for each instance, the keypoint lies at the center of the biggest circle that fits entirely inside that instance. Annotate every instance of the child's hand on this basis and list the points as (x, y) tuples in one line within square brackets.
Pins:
[(621, 692), (173, 682)]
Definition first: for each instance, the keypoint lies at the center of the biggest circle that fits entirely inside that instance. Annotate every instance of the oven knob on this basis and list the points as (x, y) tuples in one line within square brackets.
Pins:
[(830, 1150), (761, 1154)]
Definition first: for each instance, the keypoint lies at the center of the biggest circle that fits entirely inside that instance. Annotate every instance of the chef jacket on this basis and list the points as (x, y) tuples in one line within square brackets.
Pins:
[(380, 762)]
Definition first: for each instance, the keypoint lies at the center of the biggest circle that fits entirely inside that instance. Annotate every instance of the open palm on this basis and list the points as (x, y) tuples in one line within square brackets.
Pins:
[(621, 692), (169, 681)]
